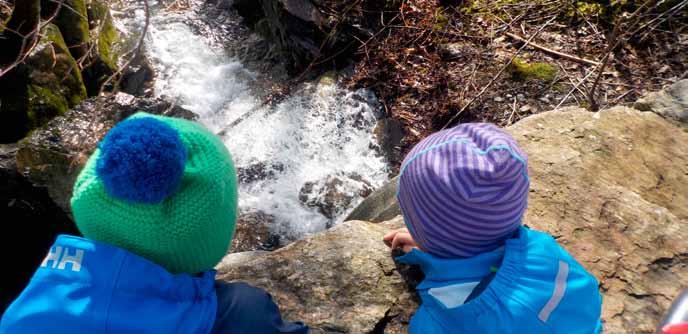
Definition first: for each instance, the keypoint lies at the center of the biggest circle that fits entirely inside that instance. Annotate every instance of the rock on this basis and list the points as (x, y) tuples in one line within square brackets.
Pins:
[(612, 188), (72, 21), (457, 51), (360, 292), (46, 85), (22, 18), (32, 222), (137, 78), (498, 99), (102, 62), (259, 171), (53, 155), (525, 108), (380, 206), (303, 31), (670, 103), (389, 133), (334, 194), (253, 233)]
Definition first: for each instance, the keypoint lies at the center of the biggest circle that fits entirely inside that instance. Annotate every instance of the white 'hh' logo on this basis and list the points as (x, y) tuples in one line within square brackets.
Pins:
[(60, 258)]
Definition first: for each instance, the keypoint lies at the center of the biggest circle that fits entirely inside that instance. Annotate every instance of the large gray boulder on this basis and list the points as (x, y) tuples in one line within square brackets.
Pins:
[(340, 281)]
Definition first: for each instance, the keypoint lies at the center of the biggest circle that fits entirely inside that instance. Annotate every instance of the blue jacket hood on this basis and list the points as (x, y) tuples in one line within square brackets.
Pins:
[(539, 288), (85, 286)]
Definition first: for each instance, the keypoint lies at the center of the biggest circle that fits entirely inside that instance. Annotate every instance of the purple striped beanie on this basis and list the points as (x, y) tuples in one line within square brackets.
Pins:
[(463, 191)]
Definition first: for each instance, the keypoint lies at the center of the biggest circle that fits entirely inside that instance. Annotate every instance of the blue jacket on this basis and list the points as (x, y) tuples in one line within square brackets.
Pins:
[(85, 286), (538, 288)]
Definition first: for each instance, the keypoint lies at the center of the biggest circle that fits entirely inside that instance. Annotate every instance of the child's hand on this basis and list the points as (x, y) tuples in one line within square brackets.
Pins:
[(400, 238)]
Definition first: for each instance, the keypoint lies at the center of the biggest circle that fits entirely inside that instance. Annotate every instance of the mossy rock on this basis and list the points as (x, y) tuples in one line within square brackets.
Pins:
[(55, 80), (73, 23), (103, 32), (47, 85), (522, 70)]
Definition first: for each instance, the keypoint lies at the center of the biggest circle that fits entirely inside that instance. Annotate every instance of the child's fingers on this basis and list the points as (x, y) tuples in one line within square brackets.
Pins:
[(401, 239), (389, 237)]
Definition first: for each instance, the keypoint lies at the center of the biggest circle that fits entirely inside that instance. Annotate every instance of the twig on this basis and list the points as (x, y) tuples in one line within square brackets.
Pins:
[(489, 84), (553, 52), (34, 35), (574, 88)]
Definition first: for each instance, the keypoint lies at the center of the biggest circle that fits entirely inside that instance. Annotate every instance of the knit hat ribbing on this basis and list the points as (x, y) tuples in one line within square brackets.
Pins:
[(464, 190), (163, 188)]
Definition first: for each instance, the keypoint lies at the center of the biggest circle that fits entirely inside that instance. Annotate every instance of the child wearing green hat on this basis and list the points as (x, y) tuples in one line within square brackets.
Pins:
[(157, 205)]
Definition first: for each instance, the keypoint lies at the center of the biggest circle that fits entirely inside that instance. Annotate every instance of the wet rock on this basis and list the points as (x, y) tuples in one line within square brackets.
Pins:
[(53, 155), (138, 77), (332, 195), (389, 133), (359, 292), (612, 188), (253, 233), (380, 206), (32, 222), (259, 171), (670, 103)]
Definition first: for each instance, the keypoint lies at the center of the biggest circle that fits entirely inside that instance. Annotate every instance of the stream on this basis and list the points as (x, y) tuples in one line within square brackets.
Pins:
[(304, 162)]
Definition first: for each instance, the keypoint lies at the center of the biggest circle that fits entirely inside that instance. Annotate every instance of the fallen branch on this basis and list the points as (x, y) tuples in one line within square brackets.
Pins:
[(553, 52), (489, 84)]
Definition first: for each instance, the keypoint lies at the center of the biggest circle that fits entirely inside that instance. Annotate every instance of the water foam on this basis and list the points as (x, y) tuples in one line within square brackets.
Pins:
[(320, 130)]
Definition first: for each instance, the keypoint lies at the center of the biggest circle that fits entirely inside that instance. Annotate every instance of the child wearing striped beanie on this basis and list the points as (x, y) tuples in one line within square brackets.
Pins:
[(157, 205), (463, 193)]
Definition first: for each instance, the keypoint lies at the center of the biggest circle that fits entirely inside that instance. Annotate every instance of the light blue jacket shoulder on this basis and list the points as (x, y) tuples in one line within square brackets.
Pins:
[(539, 288), (84, 286)]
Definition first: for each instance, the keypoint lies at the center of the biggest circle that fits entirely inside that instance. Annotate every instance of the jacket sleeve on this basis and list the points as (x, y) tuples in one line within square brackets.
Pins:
[(242, 308)]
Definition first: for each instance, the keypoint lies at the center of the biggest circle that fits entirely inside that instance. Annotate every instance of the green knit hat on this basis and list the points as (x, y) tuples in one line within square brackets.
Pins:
[(163, 188)]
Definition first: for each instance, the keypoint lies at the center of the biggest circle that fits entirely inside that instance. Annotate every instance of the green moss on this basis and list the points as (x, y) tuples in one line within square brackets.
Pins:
[(441, 20), (44, 104), (73, 24), (99, 16), (538, 71)]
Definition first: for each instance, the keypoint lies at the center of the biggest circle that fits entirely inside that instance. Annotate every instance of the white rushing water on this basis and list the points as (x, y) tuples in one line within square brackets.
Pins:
[(319, 131)]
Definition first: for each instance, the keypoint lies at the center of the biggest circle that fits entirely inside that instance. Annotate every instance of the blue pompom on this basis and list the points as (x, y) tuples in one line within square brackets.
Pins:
[(142, 160)]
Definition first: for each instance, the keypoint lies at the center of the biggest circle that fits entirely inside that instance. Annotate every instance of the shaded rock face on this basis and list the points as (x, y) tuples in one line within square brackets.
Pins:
[(46, 85), (381, 205), (32, 222), (69, 62), (612, 187), (305, 31), (53, 155), (670, 103), (361, 292)]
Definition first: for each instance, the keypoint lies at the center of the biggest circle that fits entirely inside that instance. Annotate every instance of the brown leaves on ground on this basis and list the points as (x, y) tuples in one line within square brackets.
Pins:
[(426, 61)]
